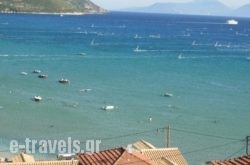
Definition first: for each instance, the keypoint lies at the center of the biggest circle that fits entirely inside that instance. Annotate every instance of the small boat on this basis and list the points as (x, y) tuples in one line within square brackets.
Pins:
[(137, 49), (63, 81), (167, 94), (36, 71), (37, 98), (180, 56), (24, 73), (232, 22), (108, 107), (66, 156), (85, 90), (43, 76)]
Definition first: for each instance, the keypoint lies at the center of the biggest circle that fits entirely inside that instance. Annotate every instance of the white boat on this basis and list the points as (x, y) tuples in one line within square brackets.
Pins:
[(137, 49), (63, 81), (37, 98), (85, 90), (43, 76), (167, 94), (66, 156), (155, 36), (24, 73), (108, 107), (232, 22), (36, 71), (136, 36), (180, 56)]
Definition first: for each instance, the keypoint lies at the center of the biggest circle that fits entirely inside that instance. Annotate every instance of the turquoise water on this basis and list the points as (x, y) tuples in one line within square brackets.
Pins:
[(202, 61)]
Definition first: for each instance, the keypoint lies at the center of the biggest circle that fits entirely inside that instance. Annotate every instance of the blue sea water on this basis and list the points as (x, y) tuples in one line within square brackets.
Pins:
[(127, 60)]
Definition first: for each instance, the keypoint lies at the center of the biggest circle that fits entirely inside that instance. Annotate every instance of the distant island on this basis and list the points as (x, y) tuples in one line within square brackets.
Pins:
[(194, 7), (50, 6)]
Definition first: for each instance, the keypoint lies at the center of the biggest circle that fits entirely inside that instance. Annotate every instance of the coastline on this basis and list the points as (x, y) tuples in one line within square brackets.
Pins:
[(202, 80), (48, 13)]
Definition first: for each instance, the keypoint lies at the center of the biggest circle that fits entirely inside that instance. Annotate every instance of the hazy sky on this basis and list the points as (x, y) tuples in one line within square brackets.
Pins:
[(120, 4)]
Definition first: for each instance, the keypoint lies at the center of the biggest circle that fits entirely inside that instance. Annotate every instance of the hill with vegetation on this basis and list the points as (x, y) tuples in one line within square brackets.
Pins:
[(49, 6)]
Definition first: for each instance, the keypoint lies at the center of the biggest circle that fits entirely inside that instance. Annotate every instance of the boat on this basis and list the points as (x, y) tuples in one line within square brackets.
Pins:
[(180, 56), (155, 36), (167, 94), (85, 90), (108, 107), (36, 71), (232, 22), (63, 81), (24, 73), (137, 49), (43, 76), (37, 98), (136, 36), (66, 156)]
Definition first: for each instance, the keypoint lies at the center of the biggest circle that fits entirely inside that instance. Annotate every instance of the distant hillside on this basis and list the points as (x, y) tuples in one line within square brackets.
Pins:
[(195, 7), (243, 11), (49, 6)]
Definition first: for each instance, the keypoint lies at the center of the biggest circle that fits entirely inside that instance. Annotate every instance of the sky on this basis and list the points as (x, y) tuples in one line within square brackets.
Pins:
[(121, 4)]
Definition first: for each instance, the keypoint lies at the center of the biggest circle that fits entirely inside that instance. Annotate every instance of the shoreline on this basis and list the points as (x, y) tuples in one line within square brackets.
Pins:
[(48, 13)]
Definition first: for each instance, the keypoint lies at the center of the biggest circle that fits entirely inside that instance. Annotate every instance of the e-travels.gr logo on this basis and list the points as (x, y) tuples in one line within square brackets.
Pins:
[(55, 146)]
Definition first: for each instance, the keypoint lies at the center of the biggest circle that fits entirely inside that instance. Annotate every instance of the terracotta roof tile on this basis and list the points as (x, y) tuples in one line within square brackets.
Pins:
[(244, 160), (115, 156), (134, 158), (107, 157), (165, 156)]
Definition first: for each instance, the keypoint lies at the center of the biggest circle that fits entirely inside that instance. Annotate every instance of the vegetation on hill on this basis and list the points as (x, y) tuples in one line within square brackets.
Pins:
[(49, 6)]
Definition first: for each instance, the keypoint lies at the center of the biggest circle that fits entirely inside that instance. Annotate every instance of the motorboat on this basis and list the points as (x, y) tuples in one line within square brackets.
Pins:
[(137, 49), (36, 71), (37, 98), (85, 90), (167, 94), (24, 73), (63, 81), (43, 76), (108, 107), (232, 22), (180, 56)]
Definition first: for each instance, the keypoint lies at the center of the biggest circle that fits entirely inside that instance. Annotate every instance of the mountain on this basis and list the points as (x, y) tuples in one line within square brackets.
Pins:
[(243, 11), (195, 7), (49, 6)]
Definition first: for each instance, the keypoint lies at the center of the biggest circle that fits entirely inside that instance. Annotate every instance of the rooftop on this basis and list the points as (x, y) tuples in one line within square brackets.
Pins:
[(161, 156), (244, 160), (114, 157)]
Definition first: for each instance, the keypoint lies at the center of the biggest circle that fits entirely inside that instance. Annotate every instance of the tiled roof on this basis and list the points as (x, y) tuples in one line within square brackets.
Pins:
[(23, 158), (142, 144), (103, 157), (134, 158), (165, 156), (115, 156), (55, 162), (244, 160)]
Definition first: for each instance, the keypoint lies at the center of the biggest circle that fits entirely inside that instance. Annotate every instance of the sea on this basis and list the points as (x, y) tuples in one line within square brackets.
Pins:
[(190, 74)]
